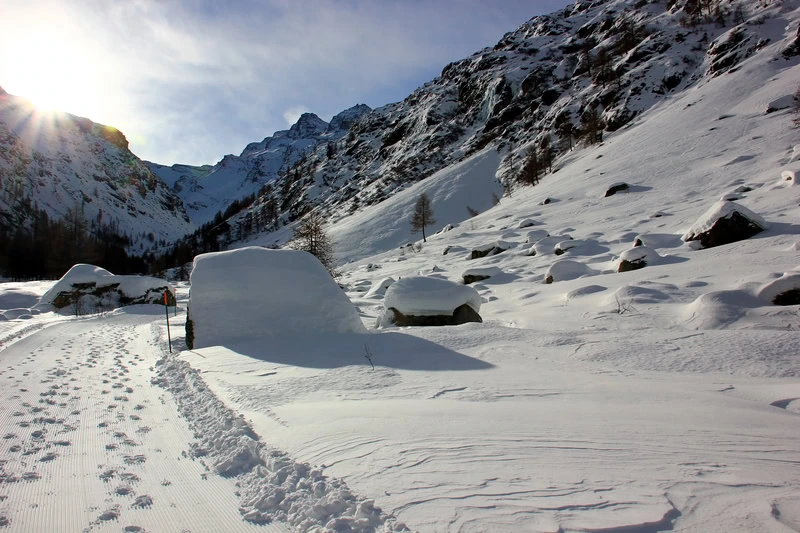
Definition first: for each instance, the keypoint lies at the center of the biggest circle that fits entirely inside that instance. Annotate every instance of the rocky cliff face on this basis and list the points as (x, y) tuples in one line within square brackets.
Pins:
[(55, 162), (607, 59), (209, 189)]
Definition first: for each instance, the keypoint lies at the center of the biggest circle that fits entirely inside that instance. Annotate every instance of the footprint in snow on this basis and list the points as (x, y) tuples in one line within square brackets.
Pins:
[(112, 513), (124, 490), (142, 501)]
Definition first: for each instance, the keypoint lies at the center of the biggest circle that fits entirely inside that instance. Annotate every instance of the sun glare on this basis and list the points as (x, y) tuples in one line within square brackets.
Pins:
[(53, 73)]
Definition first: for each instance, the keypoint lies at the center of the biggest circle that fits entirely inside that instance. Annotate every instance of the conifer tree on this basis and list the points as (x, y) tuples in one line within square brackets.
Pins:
[(423, 215), (310, 236)]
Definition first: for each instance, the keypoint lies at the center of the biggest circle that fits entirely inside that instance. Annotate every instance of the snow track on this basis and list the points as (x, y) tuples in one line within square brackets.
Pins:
[(88, 444)]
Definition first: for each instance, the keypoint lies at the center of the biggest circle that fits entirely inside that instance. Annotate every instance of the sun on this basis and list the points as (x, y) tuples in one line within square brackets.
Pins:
[(53, 72)]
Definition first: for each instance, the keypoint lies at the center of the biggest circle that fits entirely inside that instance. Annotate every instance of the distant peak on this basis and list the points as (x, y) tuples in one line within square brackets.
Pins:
[(345, 119), (308, 125)]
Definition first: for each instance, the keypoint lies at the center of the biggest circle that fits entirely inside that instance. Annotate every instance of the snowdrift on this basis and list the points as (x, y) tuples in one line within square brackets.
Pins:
[(259, 293)]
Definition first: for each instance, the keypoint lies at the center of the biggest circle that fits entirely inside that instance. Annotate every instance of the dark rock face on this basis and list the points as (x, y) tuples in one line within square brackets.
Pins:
[(189, 332), (461, 315), (79, 290), (615, 189), (473, 278), (728, 230), (477, 254), (790, 297), (627, 266)]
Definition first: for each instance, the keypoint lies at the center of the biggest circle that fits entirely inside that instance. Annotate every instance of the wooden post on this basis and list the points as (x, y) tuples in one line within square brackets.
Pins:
[(166, 312)]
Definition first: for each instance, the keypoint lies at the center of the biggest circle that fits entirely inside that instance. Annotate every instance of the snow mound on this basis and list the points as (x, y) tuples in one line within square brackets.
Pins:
[(637, 257), (255, 292), (566, 269), (421, 296), (528, 222), (563, 246), (536, 235), (790, 176), (379, 289), (97, 286), (720, 210), (547, 245), (790, 281), (477, 274)]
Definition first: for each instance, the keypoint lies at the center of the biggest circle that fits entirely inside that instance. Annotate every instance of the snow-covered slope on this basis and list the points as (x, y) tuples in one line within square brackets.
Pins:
[(55, 161), (664, 398), (542, 82), (208, 189)]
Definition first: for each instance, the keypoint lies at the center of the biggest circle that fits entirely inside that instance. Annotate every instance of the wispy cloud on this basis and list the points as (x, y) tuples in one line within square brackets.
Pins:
[(190, 81)]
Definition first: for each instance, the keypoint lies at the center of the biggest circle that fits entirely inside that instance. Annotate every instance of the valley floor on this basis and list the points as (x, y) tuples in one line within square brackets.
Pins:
[(89, 444), (478, 427)]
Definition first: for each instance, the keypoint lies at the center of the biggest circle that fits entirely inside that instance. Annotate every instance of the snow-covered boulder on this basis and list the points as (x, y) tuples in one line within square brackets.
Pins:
[(536, 235), (724, 223), (260, 293), (526, 223), (784, 102), (471, 275), (565, 270), (615, 188), (784, 290), (790, 176), (658, 240), (547, 245), (422, 301), (636, 258), (379, 289), (490, 249), (563, 246), (86, 288)]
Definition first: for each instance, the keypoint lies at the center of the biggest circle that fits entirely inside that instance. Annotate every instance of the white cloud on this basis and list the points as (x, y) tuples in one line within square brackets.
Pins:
[(293, 113), (190, 81)]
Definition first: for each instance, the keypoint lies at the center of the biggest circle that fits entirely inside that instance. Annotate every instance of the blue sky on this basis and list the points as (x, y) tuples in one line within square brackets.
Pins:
[(190, 81)]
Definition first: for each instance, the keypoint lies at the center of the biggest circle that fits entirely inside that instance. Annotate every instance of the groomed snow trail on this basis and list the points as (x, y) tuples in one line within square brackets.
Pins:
[(87, 443)]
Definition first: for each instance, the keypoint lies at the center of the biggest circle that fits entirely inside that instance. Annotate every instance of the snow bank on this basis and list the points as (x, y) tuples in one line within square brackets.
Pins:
[(420, 296), (255, 292), (566, 269), (101, 287), (721, 209), (273, 487)]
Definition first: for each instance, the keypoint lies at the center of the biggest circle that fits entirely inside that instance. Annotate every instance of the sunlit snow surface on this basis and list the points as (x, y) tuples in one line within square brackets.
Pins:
[(665, 398)]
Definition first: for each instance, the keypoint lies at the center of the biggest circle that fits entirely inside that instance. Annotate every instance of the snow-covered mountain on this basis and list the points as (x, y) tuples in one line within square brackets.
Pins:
[(611, 60), (55, 161), (208, 189)]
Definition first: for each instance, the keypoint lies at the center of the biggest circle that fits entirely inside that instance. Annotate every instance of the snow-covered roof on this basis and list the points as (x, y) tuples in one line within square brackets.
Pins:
[(422, 296), (256, 292)]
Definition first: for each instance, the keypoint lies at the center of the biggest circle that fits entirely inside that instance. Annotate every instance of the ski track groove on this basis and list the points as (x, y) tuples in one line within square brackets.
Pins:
[(70, 389)]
